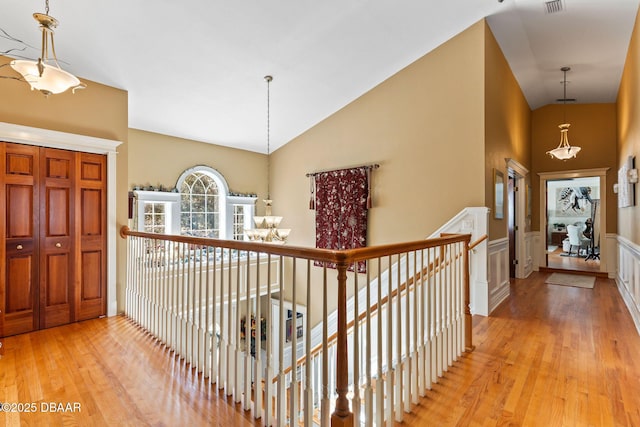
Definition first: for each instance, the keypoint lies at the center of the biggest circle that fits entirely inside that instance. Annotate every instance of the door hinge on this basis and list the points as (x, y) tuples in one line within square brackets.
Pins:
[(516, 228), (515, 262)]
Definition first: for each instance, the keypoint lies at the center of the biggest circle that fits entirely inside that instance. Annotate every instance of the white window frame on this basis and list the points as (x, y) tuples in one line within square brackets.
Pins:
[(223, 192), (173, 201), (172, 208), (248, 204)]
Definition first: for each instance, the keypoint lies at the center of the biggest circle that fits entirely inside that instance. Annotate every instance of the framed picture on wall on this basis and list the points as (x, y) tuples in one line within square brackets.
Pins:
[(498, 194)]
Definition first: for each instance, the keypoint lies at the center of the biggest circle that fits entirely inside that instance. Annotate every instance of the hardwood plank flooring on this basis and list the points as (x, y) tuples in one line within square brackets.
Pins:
[(548, 356), (117, 373), (557, 259)]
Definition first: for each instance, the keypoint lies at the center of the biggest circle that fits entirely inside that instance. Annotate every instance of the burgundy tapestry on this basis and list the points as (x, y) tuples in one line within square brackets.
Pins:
[(341, 202)]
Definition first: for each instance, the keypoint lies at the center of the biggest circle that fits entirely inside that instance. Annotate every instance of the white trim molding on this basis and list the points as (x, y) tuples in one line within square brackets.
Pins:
[(628, 276), (522, 244), (67, 141)]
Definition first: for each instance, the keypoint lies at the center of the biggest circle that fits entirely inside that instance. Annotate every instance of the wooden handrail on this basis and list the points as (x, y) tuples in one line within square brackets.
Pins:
[(348, 256), (477, 242)]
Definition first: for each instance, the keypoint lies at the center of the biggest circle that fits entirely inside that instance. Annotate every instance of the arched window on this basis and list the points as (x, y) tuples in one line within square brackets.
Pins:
[(201, 206), (203, 194)]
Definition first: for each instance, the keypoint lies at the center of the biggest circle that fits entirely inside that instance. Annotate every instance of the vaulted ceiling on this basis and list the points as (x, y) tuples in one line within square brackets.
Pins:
[(195, 68)]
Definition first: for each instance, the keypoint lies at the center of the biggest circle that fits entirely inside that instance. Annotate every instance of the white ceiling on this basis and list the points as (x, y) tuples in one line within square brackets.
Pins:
[(195, 68)]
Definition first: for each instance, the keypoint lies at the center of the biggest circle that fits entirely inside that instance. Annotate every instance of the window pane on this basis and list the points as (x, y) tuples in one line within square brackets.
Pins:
[(198, 187), (159, 220), (185, 223), (212, 221), (212, 188), (158, 208), (185, 203), (198, 221), (197, 203), (212, 204)]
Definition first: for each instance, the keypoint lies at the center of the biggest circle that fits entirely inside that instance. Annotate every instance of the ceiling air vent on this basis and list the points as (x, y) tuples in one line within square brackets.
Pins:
[(554, 6)]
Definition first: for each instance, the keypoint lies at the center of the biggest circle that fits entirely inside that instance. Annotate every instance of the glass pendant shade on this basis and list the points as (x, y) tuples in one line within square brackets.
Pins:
[(45, 74), (53, 80), (564, 151)]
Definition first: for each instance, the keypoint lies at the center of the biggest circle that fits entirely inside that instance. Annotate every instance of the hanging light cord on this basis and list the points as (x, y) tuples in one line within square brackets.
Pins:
[(46, 7), (564, 98), (268, 79)]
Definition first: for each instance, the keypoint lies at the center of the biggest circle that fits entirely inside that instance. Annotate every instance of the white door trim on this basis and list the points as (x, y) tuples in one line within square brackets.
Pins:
[(578, 173)]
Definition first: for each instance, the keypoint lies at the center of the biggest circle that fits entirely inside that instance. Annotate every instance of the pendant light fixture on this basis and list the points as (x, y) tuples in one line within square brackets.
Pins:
[(267, 230), (564, 151), (45, 74)]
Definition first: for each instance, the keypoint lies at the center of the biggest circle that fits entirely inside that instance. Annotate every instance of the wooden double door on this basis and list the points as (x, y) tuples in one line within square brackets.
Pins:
[(53, 242)]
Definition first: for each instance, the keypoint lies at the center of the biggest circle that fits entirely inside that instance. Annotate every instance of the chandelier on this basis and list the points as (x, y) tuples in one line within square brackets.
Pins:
[(564, 151), (267, 230), (45, 74)]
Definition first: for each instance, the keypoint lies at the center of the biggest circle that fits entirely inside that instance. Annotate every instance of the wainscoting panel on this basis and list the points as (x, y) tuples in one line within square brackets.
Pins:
[(628, 277), (498, 272), (528, 257)]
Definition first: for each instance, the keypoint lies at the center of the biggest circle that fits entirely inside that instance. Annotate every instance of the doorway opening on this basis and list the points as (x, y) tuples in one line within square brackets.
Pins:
[(573, 226)]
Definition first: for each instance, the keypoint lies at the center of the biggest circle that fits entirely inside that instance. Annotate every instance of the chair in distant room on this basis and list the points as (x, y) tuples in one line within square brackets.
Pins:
[(576, 239)]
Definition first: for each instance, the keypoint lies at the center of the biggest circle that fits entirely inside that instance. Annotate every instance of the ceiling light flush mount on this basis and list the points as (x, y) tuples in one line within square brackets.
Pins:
[(267, 230), (45, 74), (564, 151)]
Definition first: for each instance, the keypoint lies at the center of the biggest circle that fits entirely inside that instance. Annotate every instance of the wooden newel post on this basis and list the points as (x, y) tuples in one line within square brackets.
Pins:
[(468, 323), (342, 416)]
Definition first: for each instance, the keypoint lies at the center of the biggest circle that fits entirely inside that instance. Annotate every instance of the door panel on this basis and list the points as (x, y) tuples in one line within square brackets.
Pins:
[(92, 295), (53, 234), (18, 230), (20, 201), (56, 243), (91, 212)]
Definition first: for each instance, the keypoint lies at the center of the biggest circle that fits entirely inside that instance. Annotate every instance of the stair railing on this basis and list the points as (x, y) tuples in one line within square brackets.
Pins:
[(200, 298)]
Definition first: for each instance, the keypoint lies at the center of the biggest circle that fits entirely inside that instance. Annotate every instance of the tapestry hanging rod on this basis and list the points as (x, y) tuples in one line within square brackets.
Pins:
[(367, 167)]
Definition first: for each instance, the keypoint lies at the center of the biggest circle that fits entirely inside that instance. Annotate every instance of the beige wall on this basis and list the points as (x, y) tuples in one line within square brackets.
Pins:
[(628, 109), (156, 159), (593, 127), (424, 126), (100, 111), (507, 126)]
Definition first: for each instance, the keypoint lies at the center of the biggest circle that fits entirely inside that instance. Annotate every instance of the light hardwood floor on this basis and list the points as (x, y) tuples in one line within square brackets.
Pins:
[(557, 259), (548, 356)]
